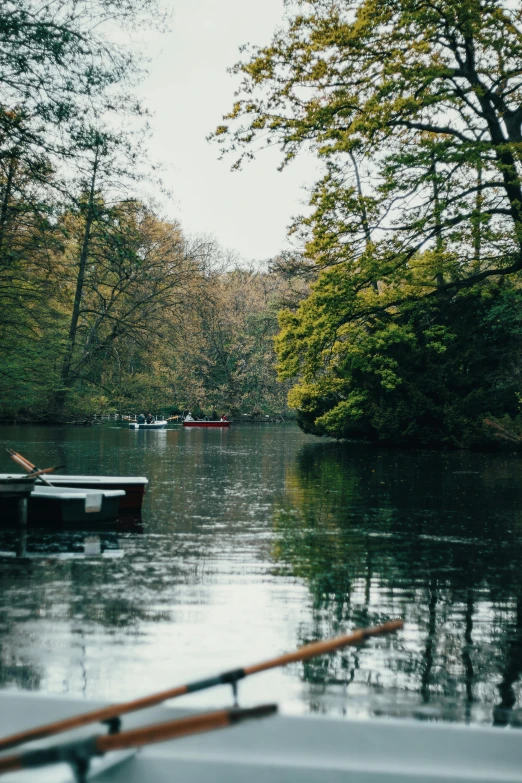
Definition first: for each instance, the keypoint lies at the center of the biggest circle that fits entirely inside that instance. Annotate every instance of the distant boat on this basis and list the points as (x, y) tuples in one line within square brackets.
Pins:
[(155, 425), (133, 486), (217, 423)]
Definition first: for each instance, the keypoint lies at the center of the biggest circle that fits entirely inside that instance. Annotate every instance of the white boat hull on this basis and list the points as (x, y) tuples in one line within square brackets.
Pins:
[(156, 425), (284, 750), (70, 505), (133, 486)]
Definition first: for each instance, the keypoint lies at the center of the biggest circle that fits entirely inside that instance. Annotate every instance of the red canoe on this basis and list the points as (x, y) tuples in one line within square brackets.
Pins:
[(206, 424)]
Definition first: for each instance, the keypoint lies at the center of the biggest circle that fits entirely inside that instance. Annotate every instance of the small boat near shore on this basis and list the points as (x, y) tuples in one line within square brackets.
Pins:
[(204, 423), (130, 499), (279, 749)]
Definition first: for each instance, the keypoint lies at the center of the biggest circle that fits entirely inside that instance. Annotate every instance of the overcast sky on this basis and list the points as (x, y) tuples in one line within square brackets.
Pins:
[(188, 91)]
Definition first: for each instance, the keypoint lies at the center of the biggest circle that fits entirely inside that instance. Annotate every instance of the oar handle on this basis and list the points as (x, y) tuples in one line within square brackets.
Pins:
[(33, 471), (26, 465), (160, 732)]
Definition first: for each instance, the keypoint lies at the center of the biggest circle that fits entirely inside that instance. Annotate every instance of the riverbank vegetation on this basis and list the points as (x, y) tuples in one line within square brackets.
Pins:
[(411, 332), (104, 304)]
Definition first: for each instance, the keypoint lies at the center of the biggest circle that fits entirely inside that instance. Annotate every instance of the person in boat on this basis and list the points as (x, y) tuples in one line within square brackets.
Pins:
[(141, 418), (188, 417), (224, 418), (214, 416), (150, 418)]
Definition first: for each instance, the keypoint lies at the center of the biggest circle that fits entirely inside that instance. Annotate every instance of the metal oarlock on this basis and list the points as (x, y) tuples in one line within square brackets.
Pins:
[(234, 692), (232, 678), (114, 724)]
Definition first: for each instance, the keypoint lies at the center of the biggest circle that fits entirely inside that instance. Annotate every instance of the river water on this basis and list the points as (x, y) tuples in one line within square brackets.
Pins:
[(258, 539)]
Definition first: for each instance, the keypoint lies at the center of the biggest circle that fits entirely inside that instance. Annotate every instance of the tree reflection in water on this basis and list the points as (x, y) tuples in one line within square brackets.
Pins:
[(410, 535)]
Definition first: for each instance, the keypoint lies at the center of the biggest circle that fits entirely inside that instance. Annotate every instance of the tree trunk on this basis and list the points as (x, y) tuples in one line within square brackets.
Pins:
[(4, 209), (66, 371), (364, 214), (476, 226), (437, 210)]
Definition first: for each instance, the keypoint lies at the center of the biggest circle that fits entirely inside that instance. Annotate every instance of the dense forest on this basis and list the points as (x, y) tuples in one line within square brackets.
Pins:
[(105, 305), (411, 333)]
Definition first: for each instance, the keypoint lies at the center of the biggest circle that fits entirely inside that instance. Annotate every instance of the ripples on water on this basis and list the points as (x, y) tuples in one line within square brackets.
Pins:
[(258, 539)]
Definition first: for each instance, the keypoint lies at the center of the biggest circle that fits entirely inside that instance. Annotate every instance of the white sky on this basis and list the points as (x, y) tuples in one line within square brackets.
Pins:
[(188, 91)]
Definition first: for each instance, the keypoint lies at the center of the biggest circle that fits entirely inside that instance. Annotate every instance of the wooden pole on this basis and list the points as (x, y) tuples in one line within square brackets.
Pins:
[(328, 646), (83, 750), (106, 714)]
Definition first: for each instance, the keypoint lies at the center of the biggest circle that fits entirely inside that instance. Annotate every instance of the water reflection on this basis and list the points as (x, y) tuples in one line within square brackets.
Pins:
[(433, 539), (257, 539), (29, 543)]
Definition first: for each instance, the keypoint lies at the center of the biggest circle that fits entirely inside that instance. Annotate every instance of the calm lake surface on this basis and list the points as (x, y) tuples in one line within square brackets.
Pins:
[(259, 539)]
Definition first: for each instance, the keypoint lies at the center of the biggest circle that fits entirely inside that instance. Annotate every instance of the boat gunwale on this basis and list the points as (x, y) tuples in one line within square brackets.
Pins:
[(130, 480)]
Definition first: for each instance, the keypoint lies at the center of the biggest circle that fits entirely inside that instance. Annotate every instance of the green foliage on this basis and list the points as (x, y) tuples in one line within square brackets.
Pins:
[(59, 68), (158, 321), (427, 374), (415, 112), (227, 358)]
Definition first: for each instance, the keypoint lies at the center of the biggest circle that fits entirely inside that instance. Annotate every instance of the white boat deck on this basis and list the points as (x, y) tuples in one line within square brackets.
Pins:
[(63, 480), (92, 499), (284, 750)]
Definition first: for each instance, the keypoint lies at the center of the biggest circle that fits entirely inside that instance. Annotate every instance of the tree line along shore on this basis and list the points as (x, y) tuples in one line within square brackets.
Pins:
[(105, 304), (398, 318)]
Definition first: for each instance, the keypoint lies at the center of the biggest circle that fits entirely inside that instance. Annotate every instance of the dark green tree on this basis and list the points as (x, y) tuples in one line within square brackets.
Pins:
[(415, 108)]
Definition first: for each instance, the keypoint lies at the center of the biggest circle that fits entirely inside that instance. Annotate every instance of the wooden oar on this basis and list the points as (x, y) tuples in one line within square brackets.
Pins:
[(21, 460), (40, 473), (79, 753), (115, 711), (30, 468)]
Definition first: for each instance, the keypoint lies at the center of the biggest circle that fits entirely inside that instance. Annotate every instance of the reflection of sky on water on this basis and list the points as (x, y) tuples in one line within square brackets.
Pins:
[(257, 539)]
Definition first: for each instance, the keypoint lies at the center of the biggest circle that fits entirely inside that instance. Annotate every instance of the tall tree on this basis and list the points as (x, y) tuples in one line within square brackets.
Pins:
[(60, 62), (429, 96), (63, 68), (416, 88)]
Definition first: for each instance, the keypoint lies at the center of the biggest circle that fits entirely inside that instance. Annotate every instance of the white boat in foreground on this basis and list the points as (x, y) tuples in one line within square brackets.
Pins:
[(279, 749)]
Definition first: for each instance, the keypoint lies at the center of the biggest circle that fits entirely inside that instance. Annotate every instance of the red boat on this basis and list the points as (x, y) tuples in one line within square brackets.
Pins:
[(194, 423)]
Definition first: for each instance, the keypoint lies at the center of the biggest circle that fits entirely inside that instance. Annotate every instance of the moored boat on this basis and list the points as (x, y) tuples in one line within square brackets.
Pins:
[(279, 749), (133, 486), (71, 505)]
